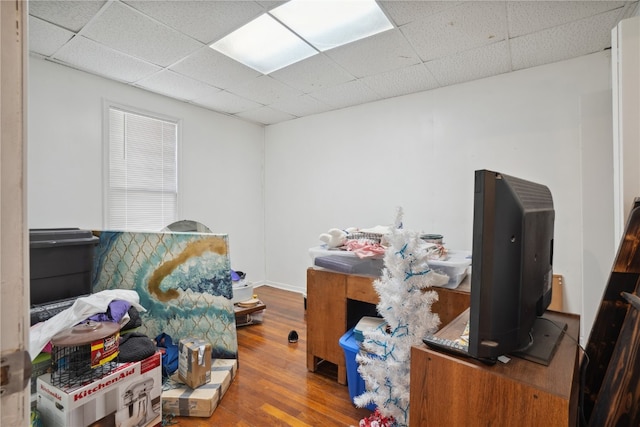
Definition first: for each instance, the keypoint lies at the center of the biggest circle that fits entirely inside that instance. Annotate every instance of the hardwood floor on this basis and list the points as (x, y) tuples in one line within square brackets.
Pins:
[(272, 386)]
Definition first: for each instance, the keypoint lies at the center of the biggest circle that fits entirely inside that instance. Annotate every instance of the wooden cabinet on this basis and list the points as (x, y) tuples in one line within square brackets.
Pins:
[(448, 390), (331, 311)]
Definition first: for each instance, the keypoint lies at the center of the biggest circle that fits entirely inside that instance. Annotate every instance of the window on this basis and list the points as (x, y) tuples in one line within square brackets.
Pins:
[(141, 174)]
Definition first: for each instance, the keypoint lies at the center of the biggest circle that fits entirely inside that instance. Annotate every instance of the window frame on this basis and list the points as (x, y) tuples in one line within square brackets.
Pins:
[(106, 123)]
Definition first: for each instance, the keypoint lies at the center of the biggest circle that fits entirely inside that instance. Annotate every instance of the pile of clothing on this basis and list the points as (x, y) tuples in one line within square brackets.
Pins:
[(119, 305), (364, 243), (372, 243)]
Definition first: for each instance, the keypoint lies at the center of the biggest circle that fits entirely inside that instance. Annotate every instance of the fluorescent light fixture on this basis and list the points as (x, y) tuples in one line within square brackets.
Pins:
[(326, 24), (299, 30), (264, 45)]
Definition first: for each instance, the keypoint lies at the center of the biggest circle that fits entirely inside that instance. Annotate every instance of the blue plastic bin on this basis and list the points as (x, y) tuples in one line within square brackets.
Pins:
[(354, 381)]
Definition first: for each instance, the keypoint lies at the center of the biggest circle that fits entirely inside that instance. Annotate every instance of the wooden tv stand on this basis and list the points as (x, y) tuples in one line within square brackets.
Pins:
[(331, 312), (450, 390)]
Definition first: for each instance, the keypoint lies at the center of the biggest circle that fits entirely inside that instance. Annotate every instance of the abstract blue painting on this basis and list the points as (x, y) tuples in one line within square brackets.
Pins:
[(183, 280)]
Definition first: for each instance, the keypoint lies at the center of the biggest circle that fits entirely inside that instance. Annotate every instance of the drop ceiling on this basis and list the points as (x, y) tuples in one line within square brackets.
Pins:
[(163, 47)]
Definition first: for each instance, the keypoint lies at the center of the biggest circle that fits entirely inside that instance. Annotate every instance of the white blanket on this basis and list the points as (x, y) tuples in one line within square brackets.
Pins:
[(82, 308)]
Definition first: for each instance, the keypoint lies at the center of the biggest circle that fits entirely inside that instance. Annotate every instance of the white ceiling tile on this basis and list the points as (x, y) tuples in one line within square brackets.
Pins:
[(127, 30), (402, 81), (72, 15), (346, 94), (460, 41), (458, 29), (373, 55), (226, 102), (265, 115), (473, 64), (46, 38), (214, 68), (566, 41), (525, 17), (300, 106), (270, 4), (403, 12), (176, 85), (265, 90), (206, 21), (90, 56), (312, 74)]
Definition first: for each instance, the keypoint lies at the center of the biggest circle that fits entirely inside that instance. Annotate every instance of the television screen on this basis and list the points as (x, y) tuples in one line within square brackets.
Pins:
[(512, 265)]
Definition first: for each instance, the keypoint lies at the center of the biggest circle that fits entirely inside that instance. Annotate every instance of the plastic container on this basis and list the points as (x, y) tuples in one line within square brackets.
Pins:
[(367, 323), (355, 382), (242, 291), (60, 263), (432, 238), (347, 265), (322, 251), (346, 261), (455, 266)]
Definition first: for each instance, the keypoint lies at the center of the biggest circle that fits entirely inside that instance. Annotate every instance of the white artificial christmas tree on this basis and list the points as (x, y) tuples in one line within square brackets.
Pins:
[(405, 304)]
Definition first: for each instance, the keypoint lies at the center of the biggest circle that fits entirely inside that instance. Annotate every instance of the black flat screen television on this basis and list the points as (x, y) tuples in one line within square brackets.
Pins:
[(511, 269)]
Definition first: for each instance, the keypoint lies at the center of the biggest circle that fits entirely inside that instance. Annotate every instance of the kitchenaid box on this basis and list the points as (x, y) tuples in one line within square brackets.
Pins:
[(128, 396), (194, 362)]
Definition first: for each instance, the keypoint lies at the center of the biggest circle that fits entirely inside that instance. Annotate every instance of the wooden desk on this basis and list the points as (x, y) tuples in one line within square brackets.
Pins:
[(328, 316), (447, 390)]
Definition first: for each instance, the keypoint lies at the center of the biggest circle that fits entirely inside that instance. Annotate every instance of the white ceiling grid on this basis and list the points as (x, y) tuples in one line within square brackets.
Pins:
[(163, 47)]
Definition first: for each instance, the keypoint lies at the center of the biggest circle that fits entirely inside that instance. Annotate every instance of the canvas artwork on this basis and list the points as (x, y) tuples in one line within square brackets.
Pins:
[(183, 280)]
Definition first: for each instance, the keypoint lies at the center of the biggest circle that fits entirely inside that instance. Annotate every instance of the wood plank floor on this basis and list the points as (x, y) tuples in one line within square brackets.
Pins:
[(273, 387)]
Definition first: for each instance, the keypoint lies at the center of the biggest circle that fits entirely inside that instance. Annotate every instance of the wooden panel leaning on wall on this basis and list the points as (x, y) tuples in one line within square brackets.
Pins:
[(612, 389), (557, 298)]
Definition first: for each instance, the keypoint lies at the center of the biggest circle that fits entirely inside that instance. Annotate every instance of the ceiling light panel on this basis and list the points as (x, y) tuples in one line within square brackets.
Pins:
[(330, 23), (264, 45)]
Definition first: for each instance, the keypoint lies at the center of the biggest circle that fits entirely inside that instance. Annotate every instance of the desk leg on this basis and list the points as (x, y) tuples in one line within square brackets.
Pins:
[(312, 362), (342, 374), (326, 320), (312, 365)]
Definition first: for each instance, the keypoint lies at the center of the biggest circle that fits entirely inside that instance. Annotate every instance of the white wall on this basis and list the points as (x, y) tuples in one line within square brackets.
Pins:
[(354, 166), (221, 160)]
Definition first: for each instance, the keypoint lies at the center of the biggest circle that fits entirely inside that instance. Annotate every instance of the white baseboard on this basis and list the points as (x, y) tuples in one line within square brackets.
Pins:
[(283, 286)]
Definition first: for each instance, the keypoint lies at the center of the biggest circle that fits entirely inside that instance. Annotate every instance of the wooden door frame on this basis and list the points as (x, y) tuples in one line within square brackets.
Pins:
[(14, 265)]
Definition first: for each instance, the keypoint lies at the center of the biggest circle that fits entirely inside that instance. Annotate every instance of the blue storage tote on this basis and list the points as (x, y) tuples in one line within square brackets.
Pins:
[(355, 382)]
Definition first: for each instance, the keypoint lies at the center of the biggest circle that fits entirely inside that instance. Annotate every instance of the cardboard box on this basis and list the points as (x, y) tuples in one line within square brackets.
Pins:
[(183, 401), (40, 366), (129, 396), (194, 362)]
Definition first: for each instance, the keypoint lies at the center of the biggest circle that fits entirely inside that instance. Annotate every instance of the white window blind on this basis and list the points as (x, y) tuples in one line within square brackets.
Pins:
[(142, 184)]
